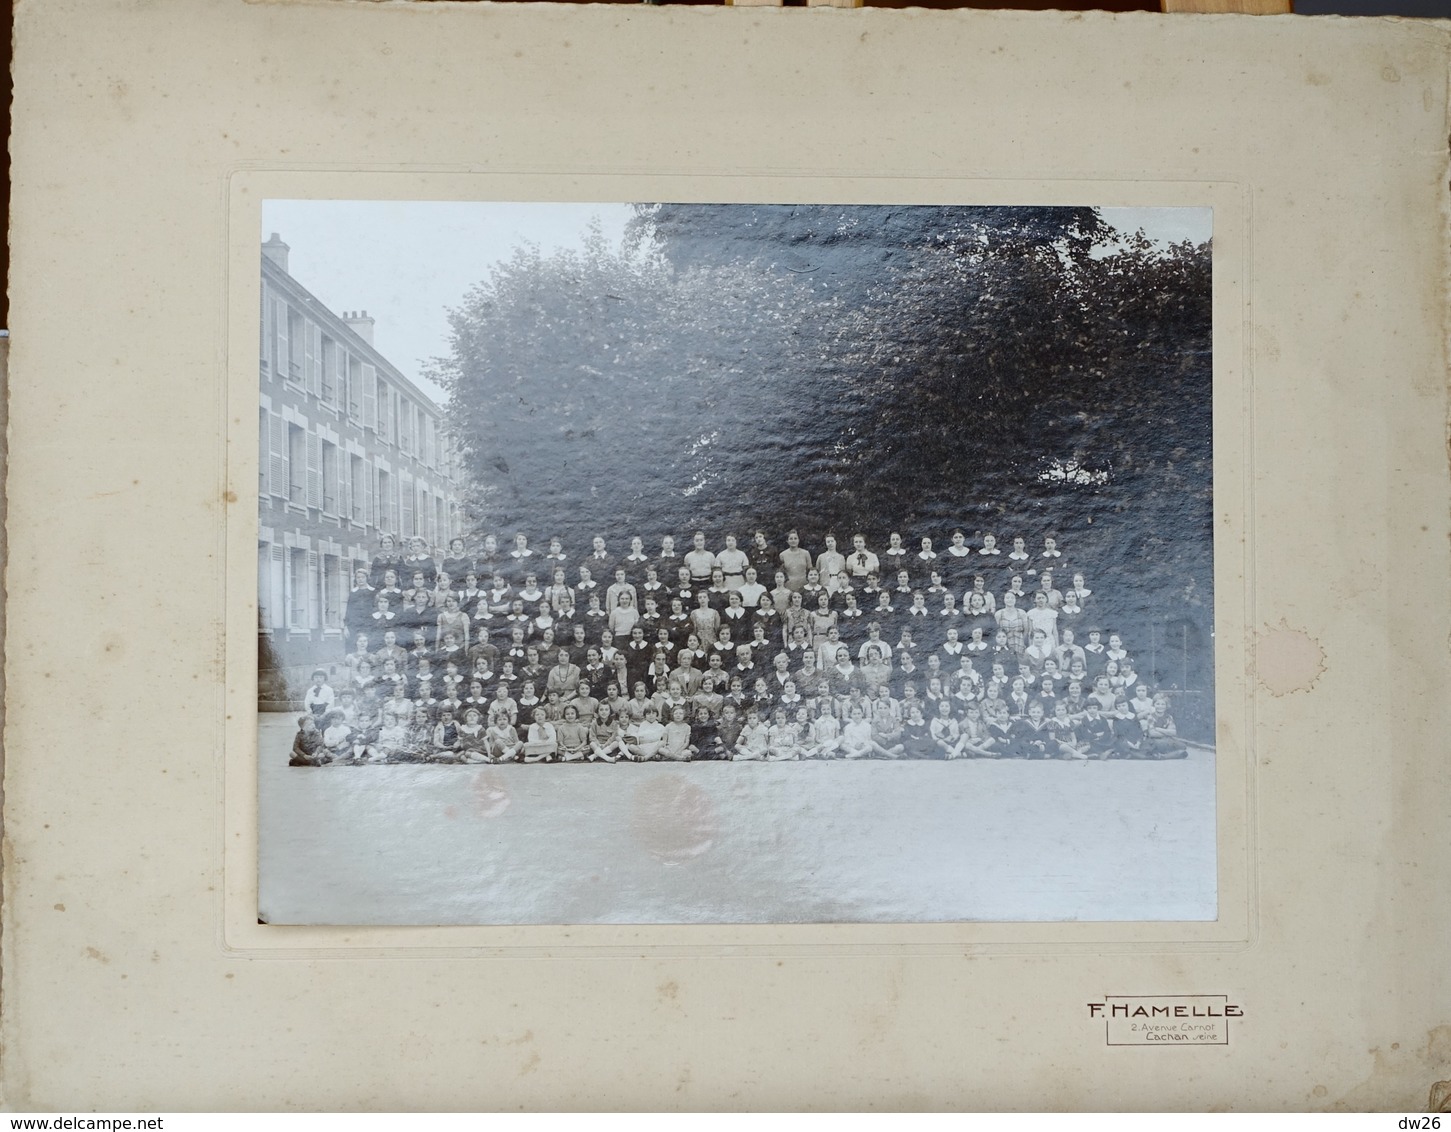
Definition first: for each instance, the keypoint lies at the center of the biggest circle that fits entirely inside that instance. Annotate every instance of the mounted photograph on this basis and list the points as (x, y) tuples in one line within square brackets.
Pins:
[(682, 563)]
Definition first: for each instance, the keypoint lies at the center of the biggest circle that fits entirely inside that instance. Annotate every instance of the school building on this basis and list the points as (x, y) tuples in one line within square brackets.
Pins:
[(350, 449)]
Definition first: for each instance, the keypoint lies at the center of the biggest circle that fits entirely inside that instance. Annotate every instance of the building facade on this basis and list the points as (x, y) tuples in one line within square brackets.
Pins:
[(349, 449)]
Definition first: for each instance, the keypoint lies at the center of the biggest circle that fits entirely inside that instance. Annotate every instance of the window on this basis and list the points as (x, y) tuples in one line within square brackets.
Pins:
[(312, 357), (276, 590), (329, 371), (278, 346), (297, 590), (370, 396), (357, 482), (405, 424), (264, 346), (384, 417), (296, 466), (296, 345), (264, 451), (331, 488), (264, 587), (355, 387), (277, 475), (332, 592), (385, 518)]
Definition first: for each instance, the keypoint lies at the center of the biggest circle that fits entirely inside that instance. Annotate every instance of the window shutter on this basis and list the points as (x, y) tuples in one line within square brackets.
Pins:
[(370, 474), (264, 349), (264, 451), (278, 455), (310, 380), (278, 589), (370, 396), (339, 376), (317, 359), (281, 356), (314, 469), (345, 484), (314, 580)]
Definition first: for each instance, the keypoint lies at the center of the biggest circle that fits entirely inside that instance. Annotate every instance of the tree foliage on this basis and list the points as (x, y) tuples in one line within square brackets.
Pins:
[(1013, 370)]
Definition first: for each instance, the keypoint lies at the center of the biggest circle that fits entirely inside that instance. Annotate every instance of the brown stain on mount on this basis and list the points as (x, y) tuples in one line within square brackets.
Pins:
[(1287, 660)]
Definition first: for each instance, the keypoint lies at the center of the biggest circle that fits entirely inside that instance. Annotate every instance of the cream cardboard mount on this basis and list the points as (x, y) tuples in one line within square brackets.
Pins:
[(135, 973)]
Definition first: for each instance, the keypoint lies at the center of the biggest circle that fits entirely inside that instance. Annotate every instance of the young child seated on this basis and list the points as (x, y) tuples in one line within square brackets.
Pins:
[(643, 739), (705, 735), (572, 735), (445, 739), (392, 736), (502, 741), (1161, 737), (782, 738), (728, 730), (541, 743), (675, 745), (1094, 732), (917, 741), (472, 738), (825, 731), (1031, 734), (337, 737), (1064, 733), (364, 747), (605, 742), (946, 735), (856, 735), (755, 739), (976, 741), (307, 745)]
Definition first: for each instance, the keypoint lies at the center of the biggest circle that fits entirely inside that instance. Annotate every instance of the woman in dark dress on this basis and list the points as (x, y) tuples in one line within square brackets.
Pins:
[(387, 558)]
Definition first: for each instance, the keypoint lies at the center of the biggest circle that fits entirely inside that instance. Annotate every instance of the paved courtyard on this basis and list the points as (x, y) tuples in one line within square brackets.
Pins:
[(734, 842)]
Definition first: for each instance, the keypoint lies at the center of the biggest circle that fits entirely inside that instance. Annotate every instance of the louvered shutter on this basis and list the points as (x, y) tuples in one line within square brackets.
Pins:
[(278, 455), (345, 484), (370, 396), (283, 353), (370, 495), (264, 451), (314, 580), (340, 377), (264, 349), (278, 589), (309, 358), (314, 469)]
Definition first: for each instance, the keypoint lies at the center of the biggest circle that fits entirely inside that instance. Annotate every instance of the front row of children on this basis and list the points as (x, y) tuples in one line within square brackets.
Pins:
[(983, 730)]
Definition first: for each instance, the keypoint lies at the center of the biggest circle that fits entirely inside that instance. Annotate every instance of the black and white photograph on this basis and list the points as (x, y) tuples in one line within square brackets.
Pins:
[(663, 563)]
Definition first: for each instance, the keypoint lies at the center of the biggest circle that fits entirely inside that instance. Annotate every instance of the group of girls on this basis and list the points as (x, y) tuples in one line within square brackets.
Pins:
[(979, 678)]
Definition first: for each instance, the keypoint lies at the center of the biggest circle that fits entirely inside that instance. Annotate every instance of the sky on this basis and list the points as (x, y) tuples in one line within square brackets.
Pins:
[(406, 262)]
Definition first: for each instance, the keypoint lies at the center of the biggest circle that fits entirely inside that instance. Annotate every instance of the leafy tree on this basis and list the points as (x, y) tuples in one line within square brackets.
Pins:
[(1014, 370), (601, 390)]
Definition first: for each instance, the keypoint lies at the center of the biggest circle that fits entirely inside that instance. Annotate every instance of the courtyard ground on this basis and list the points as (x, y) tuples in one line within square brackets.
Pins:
[(867, 841)]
